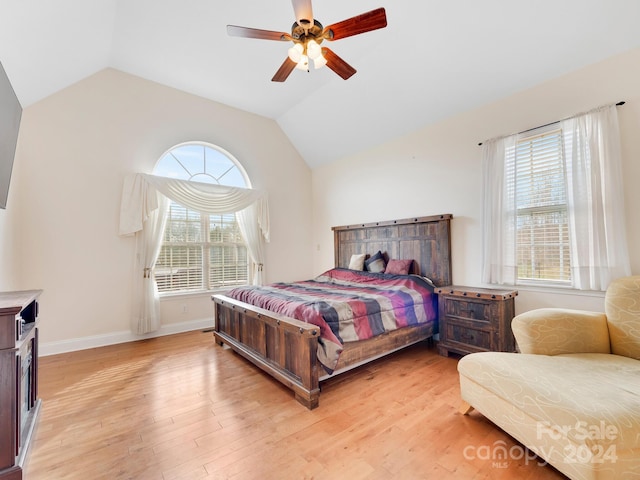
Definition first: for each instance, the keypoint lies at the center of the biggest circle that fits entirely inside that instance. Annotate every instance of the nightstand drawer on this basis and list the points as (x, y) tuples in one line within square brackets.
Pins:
[(468, 336), (472, 310)]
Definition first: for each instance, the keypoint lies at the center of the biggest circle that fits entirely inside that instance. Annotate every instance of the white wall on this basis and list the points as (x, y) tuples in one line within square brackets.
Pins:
[(9, 224), (437, 169), (76, 148), (7, 263)]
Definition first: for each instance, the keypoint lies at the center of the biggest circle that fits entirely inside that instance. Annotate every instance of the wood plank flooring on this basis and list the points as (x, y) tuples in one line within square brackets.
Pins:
[(181, 407)]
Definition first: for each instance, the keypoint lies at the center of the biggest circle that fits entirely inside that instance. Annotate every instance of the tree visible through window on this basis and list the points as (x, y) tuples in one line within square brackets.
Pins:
[(199, 251)]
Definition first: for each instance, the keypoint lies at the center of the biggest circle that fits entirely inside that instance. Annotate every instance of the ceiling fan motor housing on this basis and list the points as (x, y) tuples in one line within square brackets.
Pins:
[(303, 33)]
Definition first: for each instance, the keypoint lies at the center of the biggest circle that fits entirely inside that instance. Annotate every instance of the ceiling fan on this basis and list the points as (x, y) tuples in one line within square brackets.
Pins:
[(308, 33)]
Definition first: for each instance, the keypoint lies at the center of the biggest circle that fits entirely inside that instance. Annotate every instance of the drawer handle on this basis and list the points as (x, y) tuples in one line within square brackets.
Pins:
[(468, 336), (470, 311)]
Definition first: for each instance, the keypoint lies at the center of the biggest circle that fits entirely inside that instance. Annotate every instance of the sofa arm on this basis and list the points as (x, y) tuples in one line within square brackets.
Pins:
[(554, 331)]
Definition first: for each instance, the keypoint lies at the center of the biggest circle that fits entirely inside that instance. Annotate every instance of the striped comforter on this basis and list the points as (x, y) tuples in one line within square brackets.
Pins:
[(347, 305)]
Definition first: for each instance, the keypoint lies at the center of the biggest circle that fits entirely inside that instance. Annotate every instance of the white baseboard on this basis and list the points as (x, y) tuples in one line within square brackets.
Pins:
[(74, 344)]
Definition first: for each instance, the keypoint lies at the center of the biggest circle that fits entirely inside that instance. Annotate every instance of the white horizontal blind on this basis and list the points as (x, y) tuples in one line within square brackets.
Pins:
[(191, 261), (179, 265), (535, 169), (228, 263)]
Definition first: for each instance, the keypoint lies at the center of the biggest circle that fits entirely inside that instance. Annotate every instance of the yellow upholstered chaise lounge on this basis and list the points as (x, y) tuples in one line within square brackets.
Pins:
[(572, 395)]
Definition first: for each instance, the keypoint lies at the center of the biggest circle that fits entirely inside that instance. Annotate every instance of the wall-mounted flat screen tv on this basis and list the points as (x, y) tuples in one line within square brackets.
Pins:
[(10, 114)]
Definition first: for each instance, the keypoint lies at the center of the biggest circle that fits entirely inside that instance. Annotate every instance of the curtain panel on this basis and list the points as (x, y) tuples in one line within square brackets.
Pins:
[(499, 215), (595, 199), (595, 203), (143, 211), (146, 310)]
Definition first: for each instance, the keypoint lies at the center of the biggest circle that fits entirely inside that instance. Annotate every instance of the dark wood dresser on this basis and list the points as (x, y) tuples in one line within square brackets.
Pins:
[(475, 319), (19, 402)]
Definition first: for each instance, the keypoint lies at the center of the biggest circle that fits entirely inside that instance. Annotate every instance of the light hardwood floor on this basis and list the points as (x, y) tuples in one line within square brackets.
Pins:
[(181, 407)]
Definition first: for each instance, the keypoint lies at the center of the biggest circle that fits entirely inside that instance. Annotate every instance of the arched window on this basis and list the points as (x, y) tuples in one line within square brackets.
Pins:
[(201, 252)]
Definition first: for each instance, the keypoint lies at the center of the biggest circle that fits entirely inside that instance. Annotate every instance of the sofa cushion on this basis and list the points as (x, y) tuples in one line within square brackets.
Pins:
[(622, 307), (568, 394), (554, 331)]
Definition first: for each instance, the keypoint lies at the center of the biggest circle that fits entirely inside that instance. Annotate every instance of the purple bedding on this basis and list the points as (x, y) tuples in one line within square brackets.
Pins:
[(348, 305)]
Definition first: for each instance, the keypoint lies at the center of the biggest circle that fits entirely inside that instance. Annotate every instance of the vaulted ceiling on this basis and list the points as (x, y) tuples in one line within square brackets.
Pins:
[(435, 58)]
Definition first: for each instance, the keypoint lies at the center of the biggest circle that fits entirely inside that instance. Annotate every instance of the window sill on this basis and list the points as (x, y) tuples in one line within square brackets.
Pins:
[(555, 290), (195, 293)]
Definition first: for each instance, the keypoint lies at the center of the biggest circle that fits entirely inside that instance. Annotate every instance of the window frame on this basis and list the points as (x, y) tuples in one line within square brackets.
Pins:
[(526, 210), (204, 242)]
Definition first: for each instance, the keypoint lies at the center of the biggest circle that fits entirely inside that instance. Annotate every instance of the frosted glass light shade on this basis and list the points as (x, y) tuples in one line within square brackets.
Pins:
[(303, 64), (295, 52), (319, 62), (313, 49)]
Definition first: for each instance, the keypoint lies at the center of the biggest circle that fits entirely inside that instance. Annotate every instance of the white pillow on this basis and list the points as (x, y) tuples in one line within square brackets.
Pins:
[(357, 261)]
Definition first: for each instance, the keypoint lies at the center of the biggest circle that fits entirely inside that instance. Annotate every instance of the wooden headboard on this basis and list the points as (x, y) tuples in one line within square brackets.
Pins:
[(425, 240)]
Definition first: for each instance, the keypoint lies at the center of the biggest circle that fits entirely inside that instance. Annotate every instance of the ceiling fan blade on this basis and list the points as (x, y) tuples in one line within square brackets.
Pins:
[(246, 32), (365, 22), (285, 69), (303, 12), (337, 64)]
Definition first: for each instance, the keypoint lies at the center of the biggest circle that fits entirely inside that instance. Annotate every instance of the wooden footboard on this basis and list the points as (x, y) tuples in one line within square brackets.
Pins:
[(283, 347), (286, 348)]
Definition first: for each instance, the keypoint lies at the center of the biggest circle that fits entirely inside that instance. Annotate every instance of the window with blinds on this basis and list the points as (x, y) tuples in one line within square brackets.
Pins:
[(201, 252), (179, 265), (534, 168), (227, 259)]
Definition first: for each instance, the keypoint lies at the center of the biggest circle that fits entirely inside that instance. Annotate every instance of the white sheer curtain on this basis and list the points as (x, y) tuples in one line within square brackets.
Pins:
[(146, 311), (499, 264), (138, 200), (595, 203), (250, 231), (595, 199), (143, 213)]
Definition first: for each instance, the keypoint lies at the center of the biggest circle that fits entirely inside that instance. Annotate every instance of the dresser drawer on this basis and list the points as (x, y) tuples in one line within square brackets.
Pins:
[(470, 309), (468, 336)]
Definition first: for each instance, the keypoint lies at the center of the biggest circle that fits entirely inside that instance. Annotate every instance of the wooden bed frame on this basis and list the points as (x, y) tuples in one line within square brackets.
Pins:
[(286, 348)]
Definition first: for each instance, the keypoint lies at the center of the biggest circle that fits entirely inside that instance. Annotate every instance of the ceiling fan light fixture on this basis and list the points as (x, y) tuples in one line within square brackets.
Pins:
[(303, 63), (319, 61), (307, 34), (313, 49), (295, 52)]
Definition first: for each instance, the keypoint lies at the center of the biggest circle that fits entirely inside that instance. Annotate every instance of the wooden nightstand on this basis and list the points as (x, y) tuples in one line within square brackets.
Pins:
[(475, 319)]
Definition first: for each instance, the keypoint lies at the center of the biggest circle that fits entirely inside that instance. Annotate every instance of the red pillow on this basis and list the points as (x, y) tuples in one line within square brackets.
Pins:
[(398, 267)]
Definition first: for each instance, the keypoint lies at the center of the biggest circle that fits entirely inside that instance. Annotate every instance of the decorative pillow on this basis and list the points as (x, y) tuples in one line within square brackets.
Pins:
[(357, 261), (398, 267), (375, 263)]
